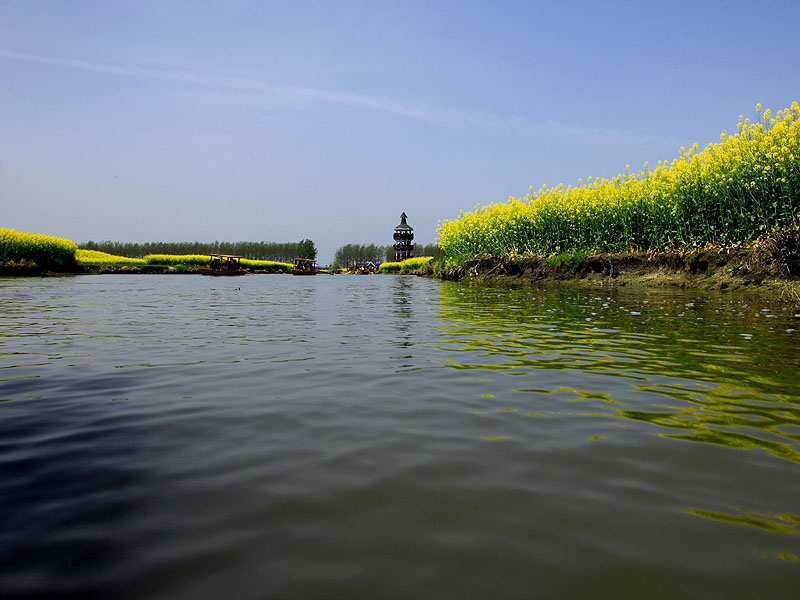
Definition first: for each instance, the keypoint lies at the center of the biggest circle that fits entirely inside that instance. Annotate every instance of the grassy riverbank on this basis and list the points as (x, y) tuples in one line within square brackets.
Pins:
[(753, 267), (726, 216), (410, 265), (24, 253), (94, 261)]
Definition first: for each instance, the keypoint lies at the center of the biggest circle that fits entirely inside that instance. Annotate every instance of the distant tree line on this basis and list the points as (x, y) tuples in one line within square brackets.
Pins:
[(353, 254), (281, 252), (425, 250)]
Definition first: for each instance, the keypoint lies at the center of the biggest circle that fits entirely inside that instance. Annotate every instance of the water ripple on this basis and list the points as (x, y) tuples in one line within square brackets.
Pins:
[(383, 437)]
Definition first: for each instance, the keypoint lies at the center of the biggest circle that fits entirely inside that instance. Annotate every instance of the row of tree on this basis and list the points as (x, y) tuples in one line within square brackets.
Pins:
[(347, 255), (425, 250), (281, 252), (353, 254)]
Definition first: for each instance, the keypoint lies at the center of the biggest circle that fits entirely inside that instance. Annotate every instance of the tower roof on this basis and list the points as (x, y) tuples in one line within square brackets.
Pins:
[(403, 224)]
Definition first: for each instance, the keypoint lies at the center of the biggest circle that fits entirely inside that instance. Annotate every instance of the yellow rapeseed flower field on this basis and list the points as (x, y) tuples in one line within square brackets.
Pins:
[(95, 257), (202, 259), (733, 191), (176, 259), (408, 264), (46, 251)]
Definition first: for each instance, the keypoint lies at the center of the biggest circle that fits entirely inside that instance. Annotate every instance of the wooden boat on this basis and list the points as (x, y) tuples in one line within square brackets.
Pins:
[(367, 268), (224, 265), (304, 266)]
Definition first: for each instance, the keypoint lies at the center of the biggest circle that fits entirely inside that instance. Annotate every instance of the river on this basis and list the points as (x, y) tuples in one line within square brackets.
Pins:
[(387, 437)]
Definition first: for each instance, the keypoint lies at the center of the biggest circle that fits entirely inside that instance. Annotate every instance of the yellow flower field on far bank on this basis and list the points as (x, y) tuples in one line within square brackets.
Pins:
[(95, 257), (408, 264), (46, 251)]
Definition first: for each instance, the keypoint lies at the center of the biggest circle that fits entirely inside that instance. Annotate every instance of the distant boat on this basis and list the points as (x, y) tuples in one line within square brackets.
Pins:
[(224, 265), (304, 266), (367, 268)]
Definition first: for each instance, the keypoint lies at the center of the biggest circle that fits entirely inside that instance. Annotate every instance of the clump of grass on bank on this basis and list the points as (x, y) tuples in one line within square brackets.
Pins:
[(405, 266), (741, 189), (44, 251), (571, 261)]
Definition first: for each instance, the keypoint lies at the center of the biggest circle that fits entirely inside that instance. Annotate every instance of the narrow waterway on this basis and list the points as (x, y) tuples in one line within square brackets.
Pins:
[(394, 437)]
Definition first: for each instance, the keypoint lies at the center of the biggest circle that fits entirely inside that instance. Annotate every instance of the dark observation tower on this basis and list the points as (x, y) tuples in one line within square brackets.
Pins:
[(403, 240)]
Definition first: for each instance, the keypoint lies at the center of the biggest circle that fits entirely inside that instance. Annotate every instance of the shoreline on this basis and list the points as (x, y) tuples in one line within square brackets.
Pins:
[(715, 268), (33, 270)]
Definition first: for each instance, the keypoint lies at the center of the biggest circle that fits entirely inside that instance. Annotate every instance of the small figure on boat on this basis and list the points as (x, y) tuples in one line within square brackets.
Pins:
[(224, 264), (304, 266), (367, 268)]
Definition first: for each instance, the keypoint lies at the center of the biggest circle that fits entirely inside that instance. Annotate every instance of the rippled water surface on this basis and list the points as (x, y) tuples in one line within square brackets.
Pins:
[(394, 437)]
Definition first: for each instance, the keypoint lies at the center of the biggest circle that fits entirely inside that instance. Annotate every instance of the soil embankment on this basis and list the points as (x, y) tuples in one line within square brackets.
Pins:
[(711, 268)]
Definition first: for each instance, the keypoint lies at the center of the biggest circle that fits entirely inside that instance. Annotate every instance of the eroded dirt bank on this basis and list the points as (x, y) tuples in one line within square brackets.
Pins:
[(712, 268)]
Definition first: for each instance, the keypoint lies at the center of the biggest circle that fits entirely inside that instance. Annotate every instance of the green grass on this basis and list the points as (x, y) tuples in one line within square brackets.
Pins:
[(571, 261)]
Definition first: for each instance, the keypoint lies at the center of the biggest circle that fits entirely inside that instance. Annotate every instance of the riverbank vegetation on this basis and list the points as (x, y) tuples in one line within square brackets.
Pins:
[(95, 258), (743, 191), (355, 254), (201, 260), (410, 265), (32, 251), (270, 251), (96, 261), (24, 253)]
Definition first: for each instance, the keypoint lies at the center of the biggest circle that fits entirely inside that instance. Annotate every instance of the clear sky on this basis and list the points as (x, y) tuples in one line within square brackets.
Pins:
[(173, 120)]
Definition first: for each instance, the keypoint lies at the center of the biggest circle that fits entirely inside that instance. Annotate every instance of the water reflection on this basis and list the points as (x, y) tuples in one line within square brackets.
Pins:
[(402, 310), (713, 369), (786, 523)]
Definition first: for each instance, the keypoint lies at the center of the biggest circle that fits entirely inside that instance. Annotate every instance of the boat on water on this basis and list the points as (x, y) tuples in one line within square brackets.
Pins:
[(224, 265), (304, 266), (367, 268)]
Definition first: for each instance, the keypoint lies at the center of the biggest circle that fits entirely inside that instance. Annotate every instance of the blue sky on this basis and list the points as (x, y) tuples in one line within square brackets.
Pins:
[(235, 120)]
